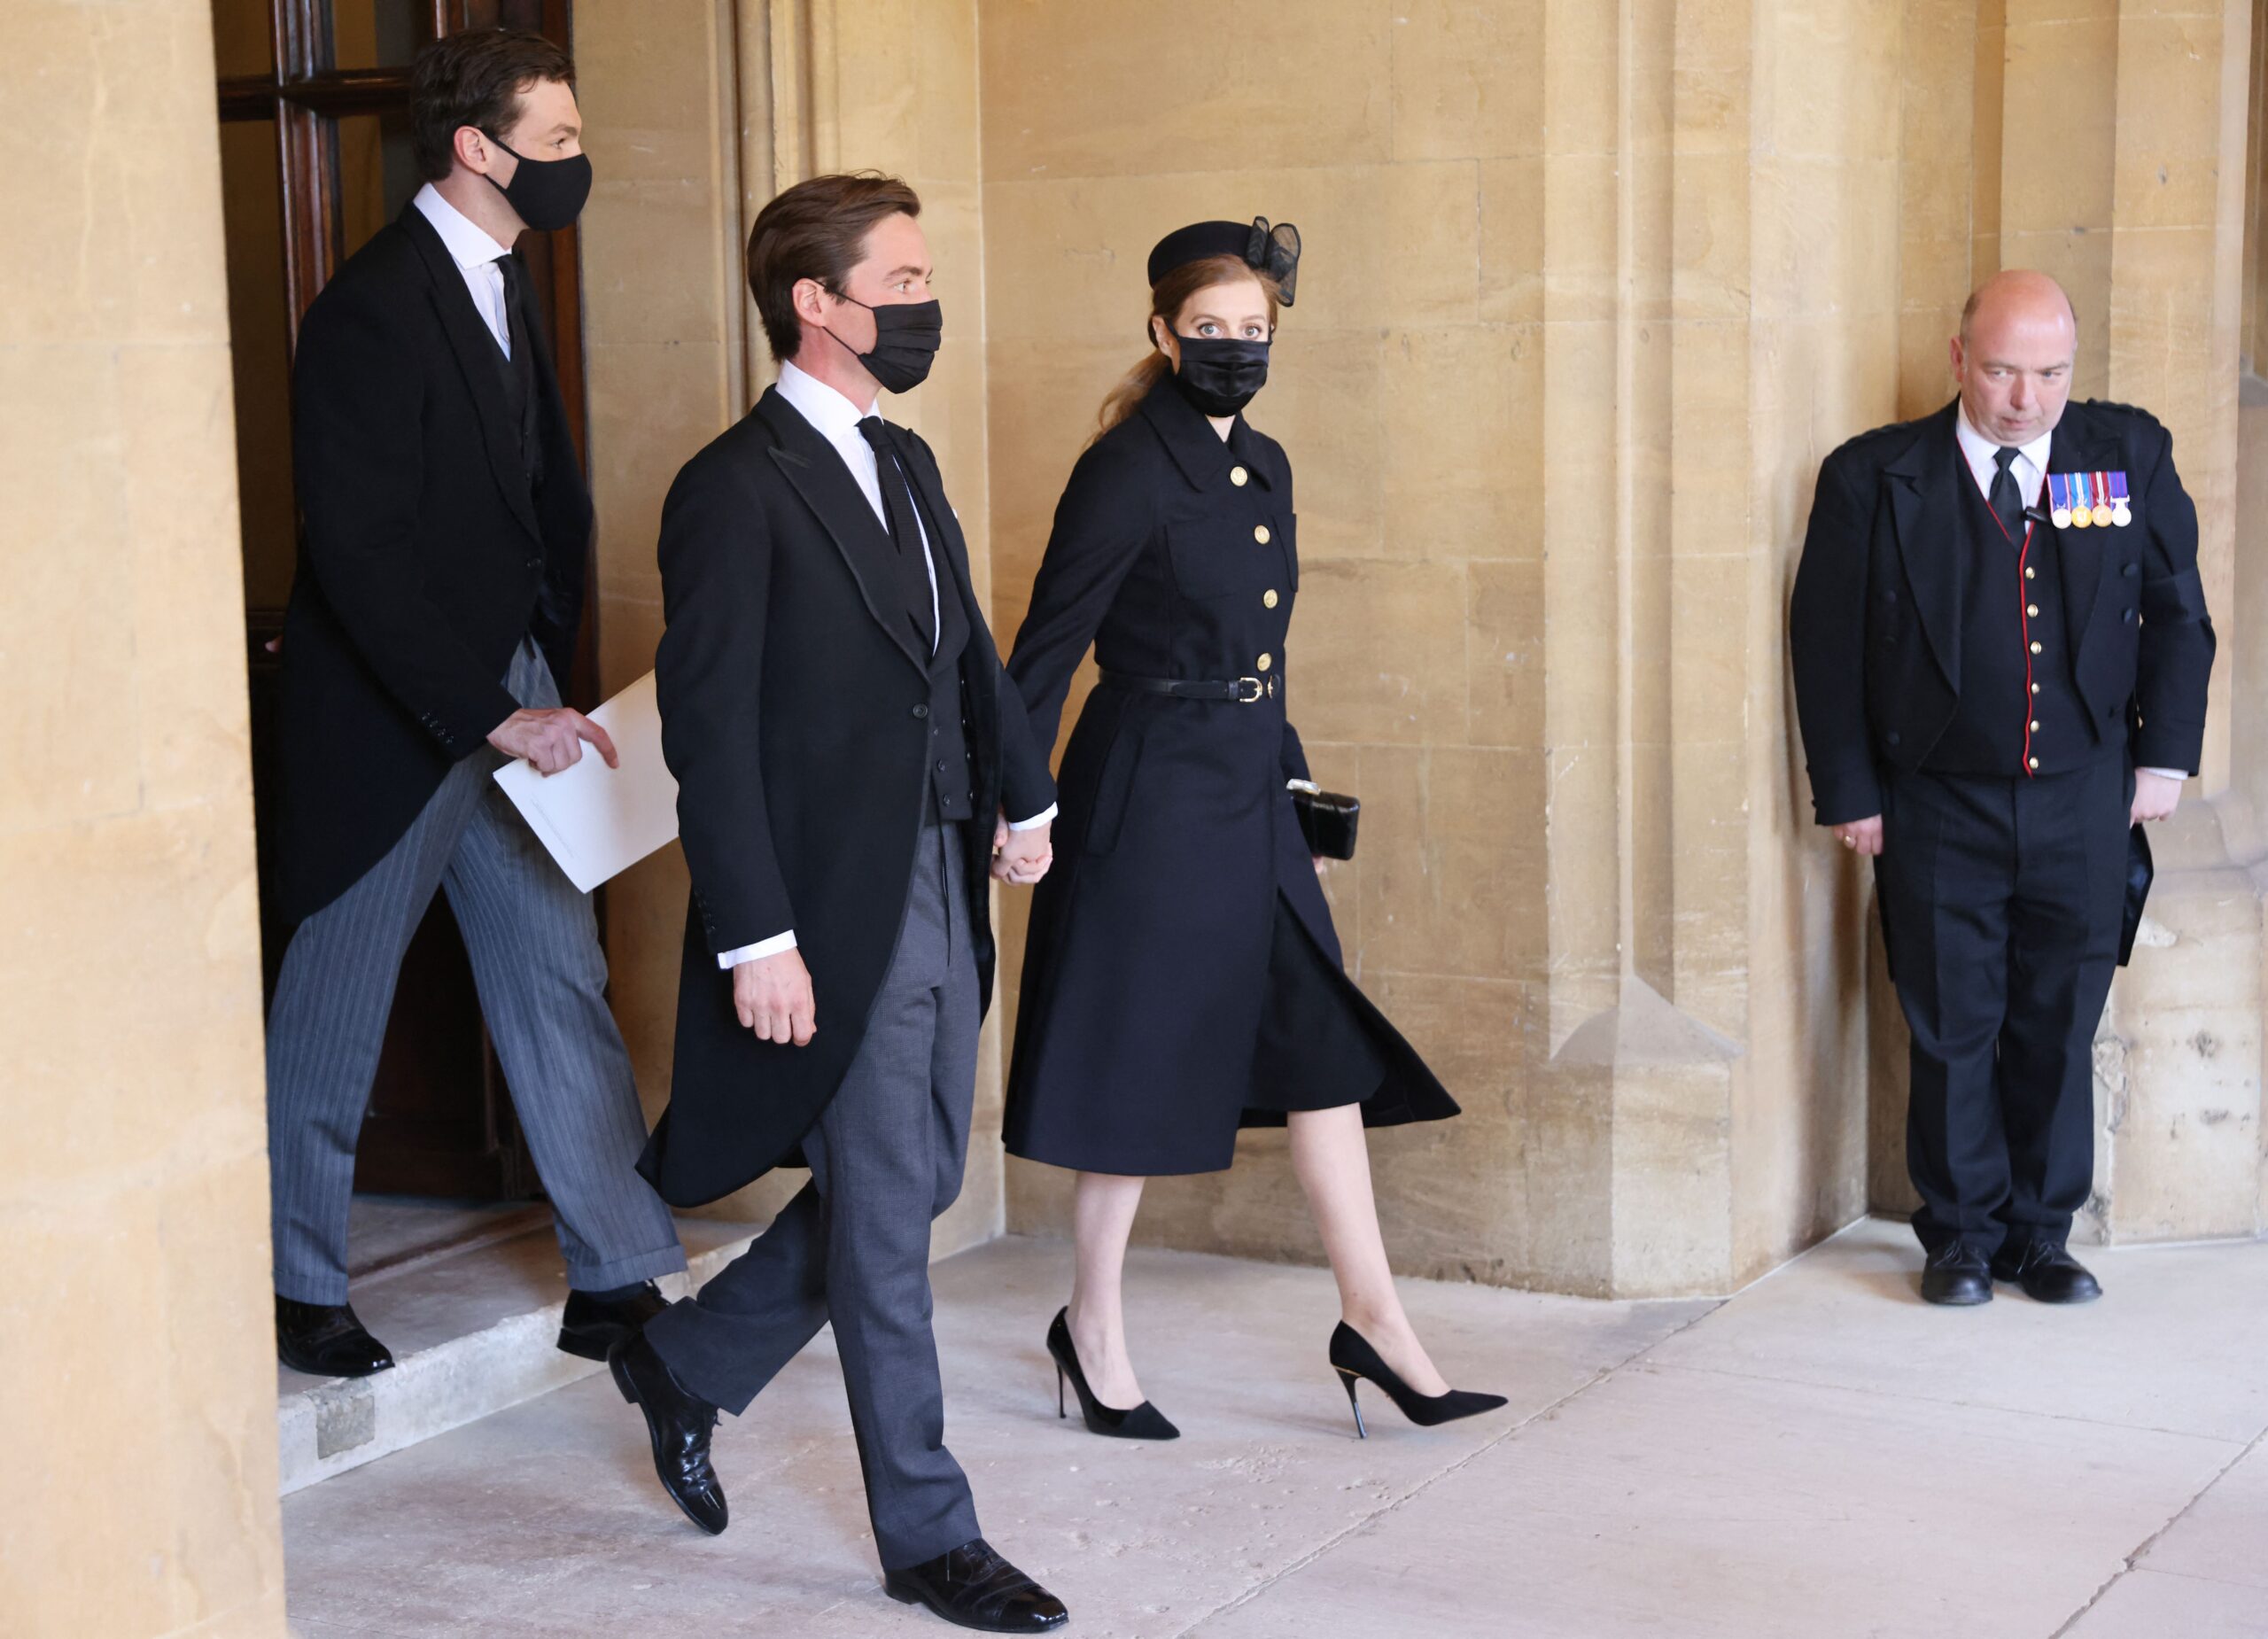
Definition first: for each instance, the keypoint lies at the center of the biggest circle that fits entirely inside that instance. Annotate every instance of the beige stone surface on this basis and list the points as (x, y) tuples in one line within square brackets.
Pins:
[(1784, 1464), (133, 1177)]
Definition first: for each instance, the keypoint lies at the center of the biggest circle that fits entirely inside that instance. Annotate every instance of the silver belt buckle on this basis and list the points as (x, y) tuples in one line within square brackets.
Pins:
[(1258, 691)]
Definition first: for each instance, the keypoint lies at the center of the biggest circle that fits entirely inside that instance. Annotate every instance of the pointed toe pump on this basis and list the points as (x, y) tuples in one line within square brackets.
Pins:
[(1353, 1359), (1142, 1422)]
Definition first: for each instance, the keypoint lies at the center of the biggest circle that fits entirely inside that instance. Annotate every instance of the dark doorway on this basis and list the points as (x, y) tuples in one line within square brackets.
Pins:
[(315, 157)]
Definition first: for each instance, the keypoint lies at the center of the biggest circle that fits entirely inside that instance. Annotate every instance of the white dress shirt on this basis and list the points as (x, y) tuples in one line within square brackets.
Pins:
[(476, 256), (837, 419), (2031, 470)]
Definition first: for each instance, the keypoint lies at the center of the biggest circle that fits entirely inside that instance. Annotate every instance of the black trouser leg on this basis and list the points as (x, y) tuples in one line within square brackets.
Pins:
[(2064, 949), (1947, 879)]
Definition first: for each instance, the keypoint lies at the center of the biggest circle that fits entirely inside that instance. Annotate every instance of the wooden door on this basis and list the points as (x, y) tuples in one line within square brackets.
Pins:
[(316, 158)]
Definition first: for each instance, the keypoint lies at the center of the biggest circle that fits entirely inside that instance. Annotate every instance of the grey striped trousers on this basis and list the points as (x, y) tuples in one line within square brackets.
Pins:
[(542, 979)]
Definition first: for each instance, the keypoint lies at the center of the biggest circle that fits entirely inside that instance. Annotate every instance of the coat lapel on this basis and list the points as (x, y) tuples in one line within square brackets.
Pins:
[(1922, 504), (477, 358), (2081, 561), (809, 463)]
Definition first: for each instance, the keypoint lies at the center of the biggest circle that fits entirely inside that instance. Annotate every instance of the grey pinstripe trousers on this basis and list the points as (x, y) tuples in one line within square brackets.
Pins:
[(536, 960)]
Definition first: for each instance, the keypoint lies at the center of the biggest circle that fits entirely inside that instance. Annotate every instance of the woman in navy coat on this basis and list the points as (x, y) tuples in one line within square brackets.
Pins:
[(1182, 977)]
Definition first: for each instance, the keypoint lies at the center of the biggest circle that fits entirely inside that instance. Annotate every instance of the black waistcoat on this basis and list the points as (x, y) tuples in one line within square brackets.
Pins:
[(2020, 713), (952, 776)]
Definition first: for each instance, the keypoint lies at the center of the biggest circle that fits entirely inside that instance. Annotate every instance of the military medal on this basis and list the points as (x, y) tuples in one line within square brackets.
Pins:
[(2058, 500), (2121, 514), (2075, 494), (2098, 483)]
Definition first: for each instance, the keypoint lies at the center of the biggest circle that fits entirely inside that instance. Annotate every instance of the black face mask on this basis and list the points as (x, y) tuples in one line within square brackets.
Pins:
[(907, 336), (548, 194), (1219, 374)]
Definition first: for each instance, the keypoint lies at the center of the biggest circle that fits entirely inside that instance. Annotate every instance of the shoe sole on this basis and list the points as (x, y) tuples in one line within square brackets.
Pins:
[(589, 1344), (630, 1394)]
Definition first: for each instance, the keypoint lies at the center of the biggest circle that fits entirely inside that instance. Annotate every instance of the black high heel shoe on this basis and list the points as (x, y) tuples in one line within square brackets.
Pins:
[(1353, 1358), (1142, 1422)]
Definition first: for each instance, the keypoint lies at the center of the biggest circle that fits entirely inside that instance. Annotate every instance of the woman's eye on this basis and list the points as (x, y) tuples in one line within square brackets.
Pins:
[(1207, 329)]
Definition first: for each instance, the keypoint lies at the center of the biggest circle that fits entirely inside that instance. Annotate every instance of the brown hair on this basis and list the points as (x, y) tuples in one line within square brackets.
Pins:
[(816, 230), (475, 78), (1170, 295)]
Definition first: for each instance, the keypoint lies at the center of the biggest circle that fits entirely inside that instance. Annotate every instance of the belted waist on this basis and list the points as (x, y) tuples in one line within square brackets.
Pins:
[(1244, 691)]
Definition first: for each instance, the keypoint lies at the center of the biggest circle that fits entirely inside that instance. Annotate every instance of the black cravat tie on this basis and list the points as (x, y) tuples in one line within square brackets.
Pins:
[(2008, 497), (905, 531)]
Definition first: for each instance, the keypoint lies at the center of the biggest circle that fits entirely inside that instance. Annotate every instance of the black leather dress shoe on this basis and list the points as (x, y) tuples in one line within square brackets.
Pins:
[(593, 1326), (2047, 1273), (973, 1586), (325, 1340), (1957, 1274), (680, 1425)]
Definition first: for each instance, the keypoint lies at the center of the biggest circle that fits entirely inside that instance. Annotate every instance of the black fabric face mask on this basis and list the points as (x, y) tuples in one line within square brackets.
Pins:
[(1219, 374), (548, 194), (907, 336)]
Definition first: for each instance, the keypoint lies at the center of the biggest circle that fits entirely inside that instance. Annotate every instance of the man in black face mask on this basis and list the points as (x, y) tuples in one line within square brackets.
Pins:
[(432, 621), (850, 766)]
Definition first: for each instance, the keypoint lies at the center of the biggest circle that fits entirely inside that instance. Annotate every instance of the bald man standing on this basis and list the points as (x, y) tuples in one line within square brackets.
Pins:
[(2001, 650)]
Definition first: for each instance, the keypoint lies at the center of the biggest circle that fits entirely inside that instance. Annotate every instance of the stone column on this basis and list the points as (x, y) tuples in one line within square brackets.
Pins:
[(138, 1397)]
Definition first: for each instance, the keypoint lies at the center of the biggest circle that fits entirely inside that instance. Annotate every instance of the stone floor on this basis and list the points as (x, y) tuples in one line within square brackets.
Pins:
[(1821, 1456)]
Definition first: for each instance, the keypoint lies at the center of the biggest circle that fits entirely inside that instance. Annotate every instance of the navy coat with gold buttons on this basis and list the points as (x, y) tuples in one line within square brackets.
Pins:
[(1182, 977)]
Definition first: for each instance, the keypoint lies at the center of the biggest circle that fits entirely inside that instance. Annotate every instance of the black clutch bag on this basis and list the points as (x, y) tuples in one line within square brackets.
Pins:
[(1327, 819)]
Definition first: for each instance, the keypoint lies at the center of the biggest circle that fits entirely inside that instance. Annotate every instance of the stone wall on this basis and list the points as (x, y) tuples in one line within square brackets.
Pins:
[(138, 1397)]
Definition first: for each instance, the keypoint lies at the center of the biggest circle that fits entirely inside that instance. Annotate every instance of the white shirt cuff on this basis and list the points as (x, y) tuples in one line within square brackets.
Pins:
[(2169, 773), (1035, 822), (777, 942)]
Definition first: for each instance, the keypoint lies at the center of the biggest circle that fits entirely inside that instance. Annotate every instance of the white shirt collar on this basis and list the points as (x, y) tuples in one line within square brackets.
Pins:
[(835, 417), (1980, 451), (468, 242)]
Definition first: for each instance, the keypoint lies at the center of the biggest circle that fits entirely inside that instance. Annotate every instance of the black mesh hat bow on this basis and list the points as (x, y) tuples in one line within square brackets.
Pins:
[(1272, 249)]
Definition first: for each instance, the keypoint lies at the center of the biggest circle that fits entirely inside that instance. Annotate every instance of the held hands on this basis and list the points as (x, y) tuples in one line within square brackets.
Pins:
[(2156, 797), (1022, 857), (551, 738), (1862, 837), (773, 995)]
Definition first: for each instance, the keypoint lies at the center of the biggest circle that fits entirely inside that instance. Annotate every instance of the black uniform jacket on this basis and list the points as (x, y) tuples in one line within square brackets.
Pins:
[(794, 718), (425, 558), (1876, 621)]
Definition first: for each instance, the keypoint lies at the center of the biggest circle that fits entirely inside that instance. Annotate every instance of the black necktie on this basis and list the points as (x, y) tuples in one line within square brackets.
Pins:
[(523, 362), (2008, 498), (905, 530)]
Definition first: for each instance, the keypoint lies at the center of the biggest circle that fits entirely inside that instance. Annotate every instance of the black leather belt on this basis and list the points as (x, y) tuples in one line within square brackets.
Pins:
[(1244, 691)]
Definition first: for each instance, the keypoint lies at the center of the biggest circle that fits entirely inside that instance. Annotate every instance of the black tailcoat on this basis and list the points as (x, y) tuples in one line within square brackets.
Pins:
[(1875, 624), (426, 556), (1182, 976), (796, 716)]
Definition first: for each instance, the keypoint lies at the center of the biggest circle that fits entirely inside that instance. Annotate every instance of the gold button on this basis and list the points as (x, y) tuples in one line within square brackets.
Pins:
[(2035, 689), (2031, 573), (1237, 475), (1268, 599), (1267, 661), (2032, 610), (2033, 761), (2035, 649), (2035, 725), (1260, 533)]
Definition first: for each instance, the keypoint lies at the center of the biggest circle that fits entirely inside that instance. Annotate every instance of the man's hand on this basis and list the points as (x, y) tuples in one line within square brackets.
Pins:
[(552, 739), (1021, 857), (1861, 836), (2156, 797), (773, 995)]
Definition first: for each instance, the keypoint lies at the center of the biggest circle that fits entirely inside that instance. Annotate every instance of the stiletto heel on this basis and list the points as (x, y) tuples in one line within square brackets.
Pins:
[(1349, 1380), (1142, 1422), (1352, 1357)]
